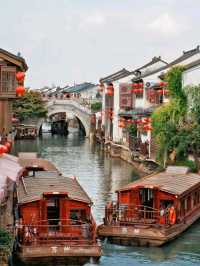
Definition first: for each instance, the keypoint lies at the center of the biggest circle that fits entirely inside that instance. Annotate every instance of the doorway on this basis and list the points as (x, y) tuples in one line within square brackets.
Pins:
[(53, 211), (147, 203)]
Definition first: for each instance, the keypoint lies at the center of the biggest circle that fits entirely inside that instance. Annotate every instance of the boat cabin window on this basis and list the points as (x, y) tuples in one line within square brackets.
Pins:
[(78, 214), (53, 211)]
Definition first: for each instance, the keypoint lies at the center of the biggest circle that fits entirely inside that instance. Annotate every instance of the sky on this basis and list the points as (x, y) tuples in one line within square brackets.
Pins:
[(73, 41)]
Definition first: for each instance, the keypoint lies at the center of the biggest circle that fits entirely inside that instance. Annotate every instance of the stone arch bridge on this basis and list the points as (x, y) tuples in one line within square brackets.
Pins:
[(81, 112)]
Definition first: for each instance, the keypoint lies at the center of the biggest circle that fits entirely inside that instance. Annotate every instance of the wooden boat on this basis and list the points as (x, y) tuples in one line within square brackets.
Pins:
[(53, 219), (26, 131), (153, 210)]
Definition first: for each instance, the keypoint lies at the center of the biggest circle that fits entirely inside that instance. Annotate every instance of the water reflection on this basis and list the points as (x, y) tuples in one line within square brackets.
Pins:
[(101, 176)]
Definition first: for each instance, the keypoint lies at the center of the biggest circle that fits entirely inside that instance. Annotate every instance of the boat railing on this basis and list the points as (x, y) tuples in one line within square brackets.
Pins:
[(140, 214), (70, 232)]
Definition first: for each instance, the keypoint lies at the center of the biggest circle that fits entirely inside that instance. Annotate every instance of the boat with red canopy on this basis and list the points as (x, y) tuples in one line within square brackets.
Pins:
[(153, 210), (53, 219)]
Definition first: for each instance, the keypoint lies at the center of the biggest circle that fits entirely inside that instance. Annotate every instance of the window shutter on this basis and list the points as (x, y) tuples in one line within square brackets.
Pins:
[(8, 79), (126, 96)]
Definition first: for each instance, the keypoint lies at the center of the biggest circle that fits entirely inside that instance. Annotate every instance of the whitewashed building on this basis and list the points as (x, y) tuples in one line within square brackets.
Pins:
[(125, 105)]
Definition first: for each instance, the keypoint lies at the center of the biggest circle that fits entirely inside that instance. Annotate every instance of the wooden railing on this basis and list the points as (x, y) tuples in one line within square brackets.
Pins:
[(62, 232), (139, 214)]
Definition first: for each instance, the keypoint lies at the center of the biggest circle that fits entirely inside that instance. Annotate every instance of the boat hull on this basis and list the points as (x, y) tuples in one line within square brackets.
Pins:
[(144, 235), (31, 255)]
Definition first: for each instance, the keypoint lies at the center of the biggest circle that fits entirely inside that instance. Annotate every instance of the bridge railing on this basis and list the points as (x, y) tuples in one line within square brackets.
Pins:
[(73, 103)]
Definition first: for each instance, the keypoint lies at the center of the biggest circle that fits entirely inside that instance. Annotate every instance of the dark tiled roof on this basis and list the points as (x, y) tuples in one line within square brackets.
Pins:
[(31, 189), (115, 76), (174, 183), (152, 62), (185, 55), (16, 57), (79, 87)]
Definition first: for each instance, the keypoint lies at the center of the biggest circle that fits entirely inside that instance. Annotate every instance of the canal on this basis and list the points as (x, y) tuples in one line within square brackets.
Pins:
[(101, 176)]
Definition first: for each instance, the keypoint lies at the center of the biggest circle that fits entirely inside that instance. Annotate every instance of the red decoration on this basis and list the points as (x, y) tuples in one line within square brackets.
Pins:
[(163, 84), (8, 145), (166, 92), (20, 90), (20, 76), (160, 92), (3, 149), (110, 90)]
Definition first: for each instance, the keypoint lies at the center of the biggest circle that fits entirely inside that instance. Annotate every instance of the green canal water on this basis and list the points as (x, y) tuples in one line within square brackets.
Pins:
[(101, 176)]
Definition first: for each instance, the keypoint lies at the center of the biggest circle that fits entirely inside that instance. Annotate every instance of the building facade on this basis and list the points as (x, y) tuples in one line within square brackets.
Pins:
[(130, 97), (10, 64)]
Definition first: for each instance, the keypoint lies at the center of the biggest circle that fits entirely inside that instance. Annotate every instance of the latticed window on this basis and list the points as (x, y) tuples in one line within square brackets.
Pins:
[(8, 79)]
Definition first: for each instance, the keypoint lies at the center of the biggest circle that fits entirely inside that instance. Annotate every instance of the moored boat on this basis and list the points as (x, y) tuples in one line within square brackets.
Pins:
[(153, 210), (53, 219)]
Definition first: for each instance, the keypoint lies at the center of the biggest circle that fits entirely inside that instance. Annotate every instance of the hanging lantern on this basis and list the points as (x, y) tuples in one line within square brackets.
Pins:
[(110, 90), (122, 123), (160, 92), (163, 84), (20, 90), (135, 85), (8, 145), (1, 150), (4, 149), (20, 76), (140, 85), (101, 88), (166, 92)]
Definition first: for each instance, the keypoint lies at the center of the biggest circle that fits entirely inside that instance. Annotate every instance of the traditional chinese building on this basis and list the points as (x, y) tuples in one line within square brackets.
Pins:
[(10, 64), (131, 97)]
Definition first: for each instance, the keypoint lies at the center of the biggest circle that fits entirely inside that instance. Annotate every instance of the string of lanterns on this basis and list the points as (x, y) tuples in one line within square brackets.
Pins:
[(144, 123), (20, 90)]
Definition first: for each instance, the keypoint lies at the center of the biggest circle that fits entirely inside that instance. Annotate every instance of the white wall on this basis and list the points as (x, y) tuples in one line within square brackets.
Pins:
[(192, 76)]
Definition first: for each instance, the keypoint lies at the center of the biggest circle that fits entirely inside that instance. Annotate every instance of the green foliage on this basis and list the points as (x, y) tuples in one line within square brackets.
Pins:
[(193, 95), (170, 118), (5, 239), (30, 106), (177, 124), (174, 79), (95, 107), (132, 129)]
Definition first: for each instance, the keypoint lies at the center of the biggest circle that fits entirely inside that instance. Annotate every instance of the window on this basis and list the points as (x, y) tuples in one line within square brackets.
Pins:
[(8, 80)]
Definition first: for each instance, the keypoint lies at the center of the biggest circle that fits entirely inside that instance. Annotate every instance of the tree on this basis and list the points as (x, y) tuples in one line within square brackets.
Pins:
[(176, 124), (30, 106)]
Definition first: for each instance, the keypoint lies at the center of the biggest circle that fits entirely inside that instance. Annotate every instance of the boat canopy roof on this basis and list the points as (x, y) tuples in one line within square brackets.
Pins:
[(37, 163), (31, 189), (175, 180), (30, 160)]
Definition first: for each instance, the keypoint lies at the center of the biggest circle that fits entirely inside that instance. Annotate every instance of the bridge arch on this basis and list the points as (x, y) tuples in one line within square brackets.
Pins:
[(69, 106)]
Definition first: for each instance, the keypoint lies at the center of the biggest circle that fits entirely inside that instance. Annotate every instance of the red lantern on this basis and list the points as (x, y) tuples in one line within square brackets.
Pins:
[(20, 90), (140, 85), (160, 92), (135, 85), (163, 84), (1, 150), (4, 149), (166, 92), (8, 145), (20, 76), (110, 90)]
